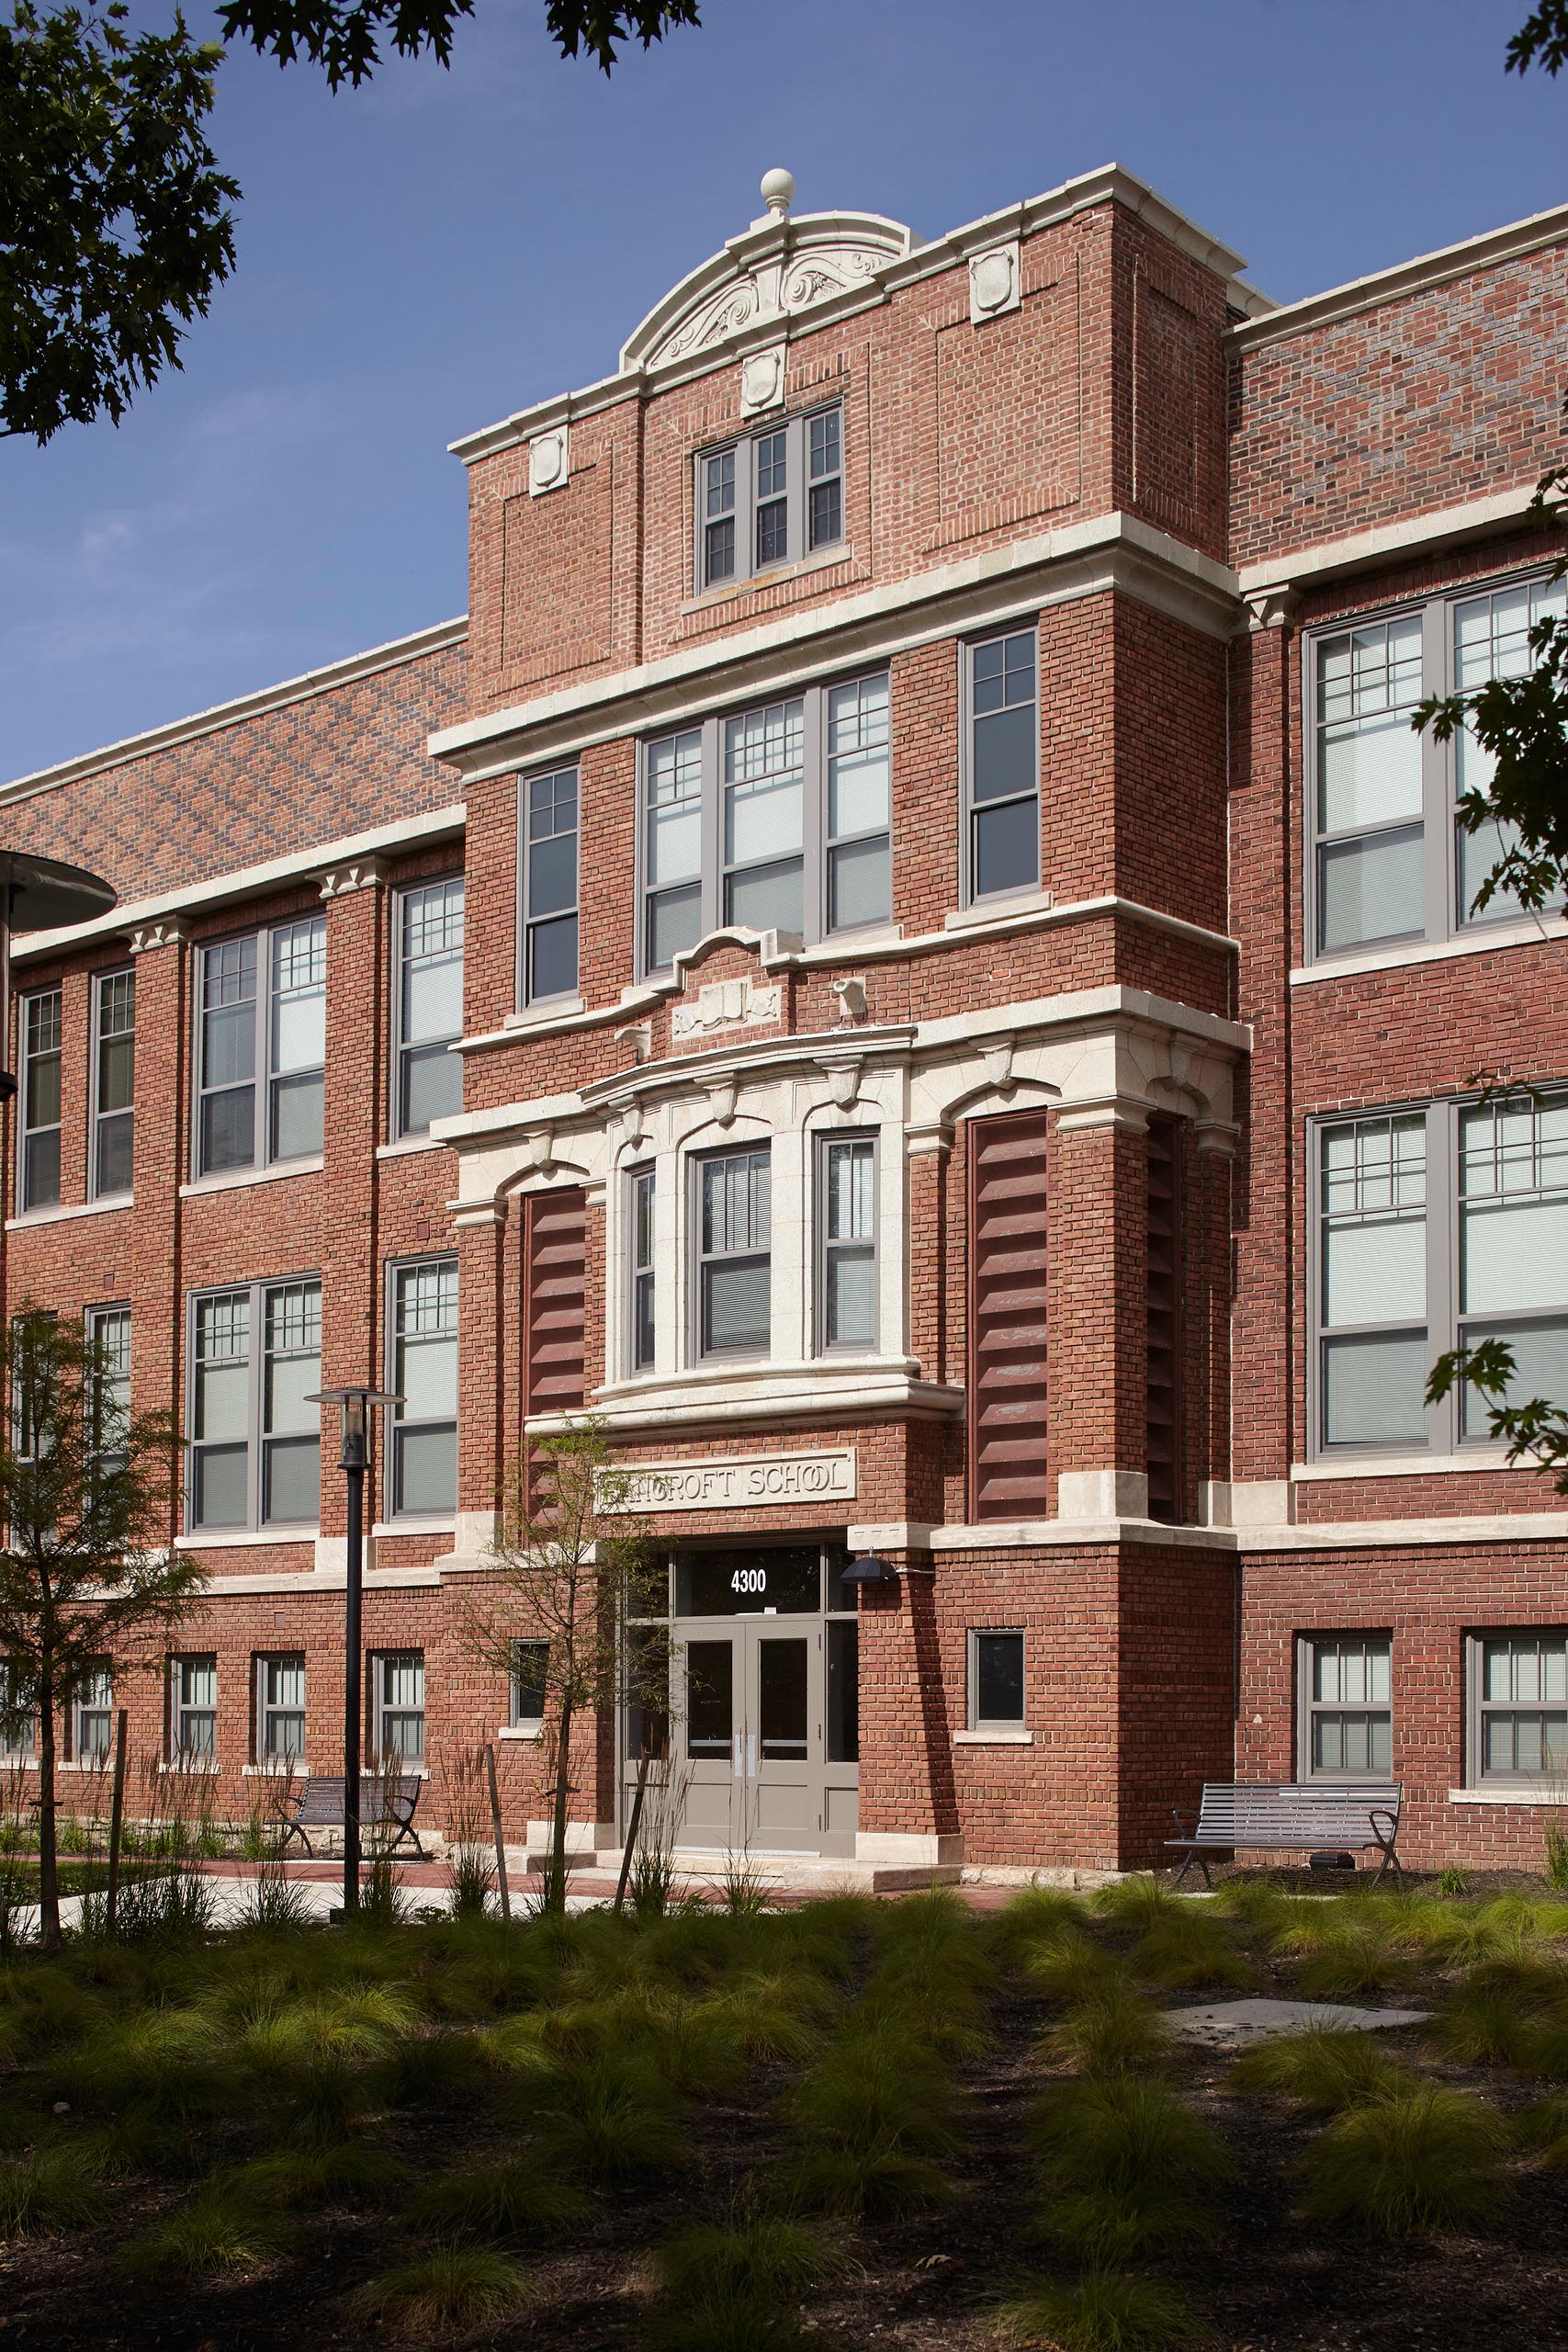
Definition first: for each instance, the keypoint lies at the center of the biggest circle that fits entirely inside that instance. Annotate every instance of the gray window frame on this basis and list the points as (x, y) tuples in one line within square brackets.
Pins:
[(974, 1636), (18, 1714), (1442, 919), (1446, 1324), (817, 845), (264, 1079), (969, 807), (1478, 1706), (823, 1145), (396, 1420), (404, 1050), (95, 1698), (1308, 1708), (257, 1439), (526, 994), (95, 1320), (516, 1716), (798, 484), (380, 1709), (264, 1710), (204, 1759), (97, 1117), (28, 1056), (640, 1273), (697, 1164)]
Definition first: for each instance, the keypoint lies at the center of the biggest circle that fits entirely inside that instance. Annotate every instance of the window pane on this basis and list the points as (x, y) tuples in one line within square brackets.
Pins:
[(427, 1379), (221, 1499), (433, 1088), (783, 1692), (427, 1469), (734, 1306), (529, 1673), (852, 1298), (227, 1131), (859, 791), (718, 482), (768, 898), (1375, 1271), (674, 925), (292, 1479), (825, 438), (433, 1000), (1007, 848), (1371, 775), (859, 885), (116, 1149), (826, 515), (223, 1393), (117, 1065), (1541, 1367), (1374, 1390), (1371, 889), (999, 1678), (710, 1702), (843, 1694), (552, 957), (1513, 1253), (720, 550), (299, 1030), (763, 819), (1004, 748), (41, 1178), (849, 1190), (228, 1045), (297, 1117), (552, 874)]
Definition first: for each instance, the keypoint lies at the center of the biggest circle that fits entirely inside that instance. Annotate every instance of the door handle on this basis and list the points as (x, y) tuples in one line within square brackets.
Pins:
[(751, 1753)]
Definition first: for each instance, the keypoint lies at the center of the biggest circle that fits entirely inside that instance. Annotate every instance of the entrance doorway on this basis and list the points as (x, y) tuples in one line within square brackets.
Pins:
[(764, 1689)]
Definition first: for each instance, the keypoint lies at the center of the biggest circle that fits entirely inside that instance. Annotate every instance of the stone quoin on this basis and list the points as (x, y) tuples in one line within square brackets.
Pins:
[(906, 955)]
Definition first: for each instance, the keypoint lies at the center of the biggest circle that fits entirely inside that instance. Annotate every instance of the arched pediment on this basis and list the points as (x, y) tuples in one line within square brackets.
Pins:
[(764, 279)]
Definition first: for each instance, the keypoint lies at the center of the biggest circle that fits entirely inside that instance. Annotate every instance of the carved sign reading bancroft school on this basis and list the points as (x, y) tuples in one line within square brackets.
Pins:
[(740, 1480)]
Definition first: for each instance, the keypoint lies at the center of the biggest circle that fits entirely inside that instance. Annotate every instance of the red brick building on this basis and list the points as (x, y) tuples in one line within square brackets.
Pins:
[(907, 956)]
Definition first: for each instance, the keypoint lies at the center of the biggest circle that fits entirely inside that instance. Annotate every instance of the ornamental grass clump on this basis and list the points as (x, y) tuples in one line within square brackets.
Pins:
[(1035, 1918), (1544, 2128), (874, 2117), (1122, 2138), (230, 2224), (523, 2199), (1322, 2069), (1339, 1948), (446, 2291), (1111, 2028), (1423, 2159), (1179, 1942), (1101, 2310), (735, 2285), (607, 2118), (53, 2189)]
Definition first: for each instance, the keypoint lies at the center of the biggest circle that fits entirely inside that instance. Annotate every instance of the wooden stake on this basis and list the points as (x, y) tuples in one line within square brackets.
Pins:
[(116, 1819), (504, 1891)]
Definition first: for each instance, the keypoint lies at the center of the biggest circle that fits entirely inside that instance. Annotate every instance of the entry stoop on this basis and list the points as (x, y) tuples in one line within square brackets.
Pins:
[(798, 1874)]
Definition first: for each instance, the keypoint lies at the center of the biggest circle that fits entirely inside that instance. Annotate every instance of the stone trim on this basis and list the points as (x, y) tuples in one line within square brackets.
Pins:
[(1542, 930)]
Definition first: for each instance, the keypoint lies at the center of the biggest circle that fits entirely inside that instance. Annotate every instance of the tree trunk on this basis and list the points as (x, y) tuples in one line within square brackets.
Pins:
[(48, 1870), (554, 1869)]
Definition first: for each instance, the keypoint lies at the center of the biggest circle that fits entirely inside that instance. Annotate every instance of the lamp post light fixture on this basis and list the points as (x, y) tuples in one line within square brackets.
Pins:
[(355, 1403), (39, 894)]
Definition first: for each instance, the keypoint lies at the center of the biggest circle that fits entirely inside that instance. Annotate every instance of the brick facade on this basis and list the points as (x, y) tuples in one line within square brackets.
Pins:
[(1072, 420)]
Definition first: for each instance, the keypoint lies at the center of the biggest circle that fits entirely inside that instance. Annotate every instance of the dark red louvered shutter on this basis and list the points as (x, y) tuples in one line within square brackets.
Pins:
[(554, 1301), (1009, 1477)]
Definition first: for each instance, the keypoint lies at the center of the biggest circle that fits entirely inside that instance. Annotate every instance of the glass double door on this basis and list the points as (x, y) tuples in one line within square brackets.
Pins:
[(750, 1732)]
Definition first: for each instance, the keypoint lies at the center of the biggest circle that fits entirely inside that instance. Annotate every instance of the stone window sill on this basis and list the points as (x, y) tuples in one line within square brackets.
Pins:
[(234, 1179), (298, 1770), (63, 1214), (774, 576), (521, 1731), (240, 1539), (993, 1738), (168, 1771), (997, 909), (1499, 1795), (546, 1009), (407, 1147), (414, 1526), (1402, 1465)]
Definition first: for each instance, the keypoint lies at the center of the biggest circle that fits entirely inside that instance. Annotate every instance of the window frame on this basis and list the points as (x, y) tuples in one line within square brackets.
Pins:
[(86, 1700), (824, 1143), (96, 1115), (380, 1709), (1439, 777), (264, 1078), (1308, 1708), (203, 1759), (969, 808), (256, 1437), (974, 1719), (95, 1318), (1478, 1707), (1447, 1321), (518, 1719), (260, 1756), (817, 844), (405, 1050), (644, 1175), (526, 994), (800, 545), (27, 1056), (697, 1163), (19, 1709), (396, 1422)]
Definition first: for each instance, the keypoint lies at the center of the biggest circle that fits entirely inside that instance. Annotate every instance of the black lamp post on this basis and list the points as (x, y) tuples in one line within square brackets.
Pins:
[(356, 1405)]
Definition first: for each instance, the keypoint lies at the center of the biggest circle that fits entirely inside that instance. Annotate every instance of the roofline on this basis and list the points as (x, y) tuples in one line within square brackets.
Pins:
[(1107, 183), (391, 656), (1492, 246)]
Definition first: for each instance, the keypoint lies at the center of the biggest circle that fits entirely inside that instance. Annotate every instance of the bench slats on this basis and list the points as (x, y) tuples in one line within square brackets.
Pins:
[(1281, 1814)]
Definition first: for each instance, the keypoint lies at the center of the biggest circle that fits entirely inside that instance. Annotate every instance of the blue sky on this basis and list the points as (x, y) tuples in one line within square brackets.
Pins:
[(423, 258)]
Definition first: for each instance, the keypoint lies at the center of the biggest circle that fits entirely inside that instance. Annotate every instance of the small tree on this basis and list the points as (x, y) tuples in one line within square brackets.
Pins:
[(574, 1568), (87, 1576)]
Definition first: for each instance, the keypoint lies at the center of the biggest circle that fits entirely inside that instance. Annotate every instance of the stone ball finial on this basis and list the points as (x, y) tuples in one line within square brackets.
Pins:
[(778, 191)]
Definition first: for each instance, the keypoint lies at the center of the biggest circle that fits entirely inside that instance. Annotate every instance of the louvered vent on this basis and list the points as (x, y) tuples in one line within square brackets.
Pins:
[(1164, 1446), (554, 1296), (1008, 1473)]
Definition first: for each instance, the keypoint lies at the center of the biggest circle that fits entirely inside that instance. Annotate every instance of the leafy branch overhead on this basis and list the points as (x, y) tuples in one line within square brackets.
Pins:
[(343, 39)]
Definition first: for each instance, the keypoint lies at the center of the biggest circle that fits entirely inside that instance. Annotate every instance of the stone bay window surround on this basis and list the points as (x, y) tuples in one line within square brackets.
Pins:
[(879, 925)]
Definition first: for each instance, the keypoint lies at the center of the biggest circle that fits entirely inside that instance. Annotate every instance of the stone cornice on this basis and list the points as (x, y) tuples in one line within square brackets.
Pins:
[(1110, 551), (1277, 576)]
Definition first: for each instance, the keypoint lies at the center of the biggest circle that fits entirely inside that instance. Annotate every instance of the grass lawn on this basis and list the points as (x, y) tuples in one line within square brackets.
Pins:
[(902, 2124)]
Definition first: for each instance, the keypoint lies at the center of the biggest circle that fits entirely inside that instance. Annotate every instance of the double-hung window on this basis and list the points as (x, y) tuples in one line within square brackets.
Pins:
[(41, 1027), (108, 1338), (776, 818), (1389, 859), (995, 1680), (425, 1375), (92, 1717), (19, 1711), (397, 1726), (846, 1239), (640, 1196), (113, 1082), (1346, 1711), (530, 1684), (280, 1710), (430, 1004), (261, 1047), (1436, 1229), (772, 498), (193, 1710), (1518, 1707), (734, 1263), (256, 1443), (1001, 765), (548, 863)]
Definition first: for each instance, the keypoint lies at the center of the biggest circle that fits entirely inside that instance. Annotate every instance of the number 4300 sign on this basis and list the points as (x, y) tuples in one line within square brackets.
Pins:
[(748, 1580)]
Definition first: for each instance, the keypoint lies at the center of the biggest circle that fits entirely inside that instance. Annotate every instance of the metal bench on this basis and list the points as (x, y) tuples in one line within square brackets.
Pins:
[(317, 1803), (1291, 1814)]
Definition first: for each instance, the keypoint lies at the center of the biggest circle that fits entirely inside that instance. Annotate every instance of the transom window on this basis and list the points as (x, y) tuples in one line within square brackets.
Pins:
[(548, 866), (769, 499), (193, 1710), (1519, 1705), (734, 1262), (1346, 1718), (261, 1047), (430, 1004), (846, 1226), (774, 819), (114, 1078), (1436, 1229), (1001, 767), (425, 1375), (1389, 861), (41, 1026), (257, 1442), (280, 1708)]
